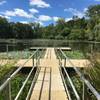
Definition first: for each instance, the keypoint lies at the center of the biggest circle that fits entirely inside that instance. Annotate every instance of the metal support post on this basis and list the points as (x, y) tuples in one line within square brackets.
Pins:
[(9, 90)]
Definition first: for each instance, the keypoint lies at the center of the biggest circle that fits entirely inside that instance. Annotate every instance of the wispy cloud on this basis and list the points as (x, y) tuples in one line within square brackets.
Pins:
[(2, 2), (33, 10), (75, 12), (17, 12), (39, 3), (22, 13), (8, 13), (24, 22), (44, 18)]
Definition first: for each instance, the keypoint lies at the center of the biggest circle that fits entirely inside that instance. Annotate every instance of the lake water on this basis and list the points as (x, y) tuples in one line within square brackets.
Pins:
[(26, 44)]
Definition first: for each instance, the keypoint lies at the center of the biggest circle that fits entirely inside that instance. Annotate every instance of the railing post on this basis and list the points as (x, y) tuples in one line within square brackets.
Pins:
[(39, 61), (9, 87), (7, 49), (83, 96), (36, 55), (33, 60), (61, 57), (59, 60), (37, 58), (65, 62)]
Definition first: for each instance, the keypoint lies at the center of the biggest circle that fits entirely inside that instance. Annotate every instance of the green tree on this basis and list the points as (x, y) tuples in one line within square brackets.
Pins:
[(77, 34), (22, 31), (65, 32), (93, 13), (4, 28), (49, 31), (97, 32), (37, 30)]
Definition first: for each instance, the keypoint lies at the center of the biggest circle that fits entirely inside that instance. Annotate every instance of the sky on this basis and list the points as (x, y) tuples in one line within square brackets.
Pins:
[(44, 12)]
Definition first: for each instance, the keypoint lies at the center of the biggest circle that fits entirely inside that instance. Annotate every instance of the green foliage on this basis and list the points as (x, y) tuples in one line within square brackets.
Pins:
[(93, 70), (4, 28), (65, 32), (93, 11), (59, 37), (4, 69), (49, 32), (77, 34), (16, 55), (78, 84), (16, 84), (75, 54), (97, 32)]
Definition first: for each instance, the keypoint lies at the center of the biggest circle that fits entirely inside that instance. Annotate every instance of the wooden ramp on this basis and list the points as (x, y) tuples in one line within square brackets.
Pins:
[(49, 84)]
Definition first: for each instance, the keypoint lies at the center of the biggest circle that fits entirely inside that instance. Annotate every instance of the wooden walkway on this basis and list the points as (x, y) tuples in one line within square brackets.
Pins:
[(82, 63), (49, 84)]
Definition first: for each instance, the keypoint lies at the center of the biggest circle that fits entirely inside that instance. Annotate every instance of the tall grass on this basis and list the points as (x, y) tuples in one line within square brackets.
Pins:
[(6, 69), (93, 70)]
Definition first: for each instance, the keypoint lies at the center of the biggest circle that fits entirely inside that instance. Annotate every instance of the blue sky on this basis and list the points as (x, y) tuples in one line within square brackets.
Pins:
[(43, 11)]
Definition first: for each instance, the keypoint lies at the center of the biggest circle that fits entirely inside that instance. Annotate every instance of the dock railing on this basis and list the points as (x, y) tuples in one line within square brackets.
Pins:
[(69, 80), (85, 81), (35, 56)]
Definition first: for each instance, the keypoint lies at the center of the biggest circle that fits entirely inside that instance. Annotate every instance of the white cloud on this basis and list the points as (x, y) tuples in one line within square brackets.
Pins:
[(7, 17), (75, 12), (22, 13), (17, 12), (24, 22), (68, 19), (44, 18), (39, 3), (2, 2), (56, 18), (9, 13), (33, 11)]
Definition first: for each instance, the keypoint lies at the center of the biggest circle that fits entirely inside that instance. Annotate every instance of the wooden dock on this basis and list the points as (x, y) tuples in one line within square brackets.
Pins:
[(49, 81), (49, 84)]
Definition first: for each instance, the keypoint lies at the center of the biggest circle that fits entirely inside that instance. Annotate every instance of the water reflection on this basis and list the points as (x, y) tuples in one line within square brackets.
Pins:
[(75, 45)]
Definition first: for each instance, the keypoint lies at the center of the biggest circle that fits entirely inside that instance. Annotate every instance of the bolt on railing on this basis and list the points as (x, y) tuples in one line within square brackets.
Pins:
[(86, 82)]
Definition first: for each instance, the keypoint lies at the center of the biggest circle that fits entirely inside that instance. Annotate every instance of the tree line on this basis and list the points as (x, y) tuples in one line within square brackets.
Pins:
[(86, 28)]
